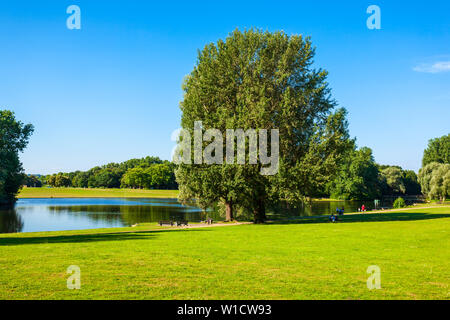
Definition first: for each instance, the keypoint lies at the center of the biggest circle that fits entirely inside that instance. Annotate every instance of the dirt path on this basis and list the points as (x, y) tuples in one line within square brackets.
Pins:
[(204, 225), (402, 209), (371, 212), (306, 217)]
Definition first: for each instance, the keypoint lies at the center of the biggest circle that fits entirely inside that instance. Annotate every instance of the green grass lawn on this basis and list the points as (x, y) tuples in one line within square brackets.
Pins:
[(303, 259), (95, 193)]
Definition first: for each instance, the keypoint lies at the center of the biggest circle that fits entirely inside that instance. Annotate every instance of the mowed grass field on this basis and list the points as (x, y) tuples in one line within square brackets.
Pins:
[(304, 259), (95, 193)]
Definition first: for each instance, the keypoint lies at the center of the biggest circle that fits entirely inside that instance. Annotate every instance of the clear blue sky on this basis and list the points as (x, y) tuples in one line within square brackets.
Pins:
[(110, 91)]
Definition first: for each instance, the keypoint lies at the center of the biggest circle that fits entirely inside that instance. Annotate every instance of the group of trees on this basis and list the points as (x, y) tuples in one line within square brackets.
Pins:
[(360, 177), (32, 181), (157, 176), (434, 176), (438, 150), (261, 80), (149, 172), (251, 80), (396, 181), (14, 137)]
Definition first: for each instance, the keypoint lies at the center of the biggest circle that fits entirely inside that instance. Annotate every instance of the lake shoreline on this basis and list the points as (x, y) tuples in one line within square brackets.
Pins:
[(52, 193)]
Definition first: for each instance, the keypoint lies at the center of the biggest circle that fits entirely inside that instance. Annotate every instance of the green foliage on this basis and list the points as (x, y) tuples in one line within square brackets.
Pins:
[(14, 136), (32, 181), (106, 178), (157, 176), (438, 150), (149, 172), (399, 203), (411, 183), (361, 178), (59, 180), (80, 180), (262, 80), (394, 180), (358, 177), (435, 180)]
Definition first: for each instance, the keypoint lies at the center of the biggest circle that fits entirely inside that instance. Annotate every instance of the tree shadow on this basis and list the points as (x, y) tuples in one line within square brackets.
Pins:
[(85, 238), (368, 217)]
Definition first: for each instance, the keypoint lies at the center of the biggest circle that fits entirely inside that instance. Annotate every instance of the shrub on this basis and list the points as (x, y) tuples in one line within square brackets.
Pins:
[(399, 203)]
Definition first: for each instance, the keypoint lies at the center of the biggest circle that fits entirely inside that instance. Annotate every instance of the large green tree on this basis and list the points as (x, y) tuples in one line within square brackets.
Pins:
[(411, 183), (14, 137), (434, 179), (438, 150), (394, 179), (358, 178), (262, 80)]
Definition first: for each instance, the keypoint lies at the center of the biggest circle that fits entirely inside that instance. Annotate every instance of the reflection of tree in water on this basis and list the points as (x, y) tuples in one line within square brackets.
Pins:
[(129, 215), (10, 221)]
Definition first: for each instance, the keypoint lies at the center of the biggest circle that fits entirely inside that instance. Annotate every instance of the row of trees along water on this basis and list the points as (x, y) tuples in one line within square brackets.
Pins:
[(359, 176), (254, 79), (145, 173)]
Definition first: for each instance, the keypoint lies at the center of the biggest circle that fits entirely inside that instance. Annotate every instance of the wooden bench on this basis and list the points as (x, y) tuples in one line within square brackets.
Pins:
[(181, 222), (168, 223)]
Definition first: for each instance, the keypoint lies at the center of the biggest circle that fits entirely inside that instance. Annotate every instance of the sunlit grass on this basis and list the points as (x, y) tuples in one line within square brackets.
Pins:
[(305, 259)]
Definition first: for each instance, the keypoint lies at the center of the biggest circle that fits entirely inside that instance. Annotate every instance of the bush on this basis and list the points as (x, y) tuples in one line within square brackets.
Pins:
[(399, 203)]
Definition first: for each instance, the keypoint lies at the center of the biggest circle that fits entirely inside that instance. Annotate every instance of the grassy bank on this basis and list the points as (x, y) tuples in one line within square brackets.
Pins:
[(95, 193), (307, 259)]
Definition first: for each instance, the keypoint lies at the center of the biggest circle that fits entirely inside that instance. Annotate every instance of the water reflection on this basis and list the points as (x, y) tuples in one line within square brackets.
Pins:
[(31, 215), (131, 214), (10, 221), (319, 208)]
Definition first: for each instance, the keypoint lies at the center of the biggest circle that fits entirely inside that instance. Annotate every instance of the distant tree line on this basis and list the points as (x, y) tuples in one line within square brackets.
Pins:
[(32, 181), (360, 177), (145, 173)]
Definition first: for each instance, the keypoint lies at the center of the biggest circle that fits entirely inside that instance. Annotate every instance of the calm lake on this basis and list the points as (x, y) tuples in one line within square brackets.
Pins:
[(32, 215)]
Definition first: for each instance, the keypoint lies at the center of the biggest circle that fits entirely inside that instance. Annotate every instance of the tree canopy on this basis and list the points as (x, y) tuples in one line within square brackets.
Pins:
[(14, 136), (394, 179), (435, 180), (148, 172), (261, 80), (358, 178), (438, 150)]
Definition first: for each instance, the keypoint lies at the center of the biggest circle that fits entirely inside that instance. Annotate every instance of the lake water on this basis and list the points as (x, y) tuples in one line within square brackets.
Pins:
[(32, 215)]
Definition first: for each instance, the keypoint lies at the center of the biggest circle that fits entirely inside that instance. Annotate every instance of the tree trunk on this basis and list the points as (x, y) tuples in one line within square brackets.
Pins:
[(260, 212), (229, 211)]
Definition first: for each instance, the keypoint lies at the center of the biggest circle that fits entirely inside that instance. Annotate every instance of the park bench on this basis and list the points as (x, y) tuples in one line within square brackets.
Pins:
[(181, 222), (168, 223), (209, 221)]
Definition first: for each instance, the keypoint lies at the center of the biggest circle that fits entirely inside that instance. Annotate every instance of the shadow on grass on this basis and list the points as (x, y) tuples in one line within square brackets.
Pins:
[(83, 238), (369, 217)]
